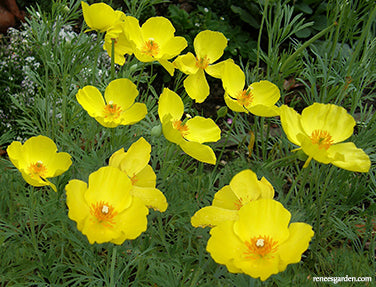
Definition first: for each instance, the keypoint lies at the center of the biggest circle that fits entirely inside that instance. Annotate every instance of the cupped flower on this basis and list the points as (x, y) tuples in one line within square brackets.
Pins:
[(320, 130), (155, 41), (105, 210), (134, 163), (37, 159), (259, 98), (117, 107), (118, 36), (209, 47), (100, 16), (188, 134), (261, 242), (244, 187)]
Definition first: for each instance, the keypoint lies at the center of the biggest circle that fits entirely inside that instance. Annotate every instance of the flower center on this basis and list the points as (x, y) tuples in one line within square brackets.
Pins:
[(322, 138), (261, 247), (182, 128), (134, 179), (202, 63), (37, 170), (150, 48), (112, 111), (245, 97), (104, 213)]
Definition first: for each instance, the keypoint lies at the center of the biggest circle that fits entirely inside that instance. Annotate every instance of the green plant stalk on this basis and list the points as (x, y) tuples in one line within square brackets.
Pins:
[(303, 173), (99, 38), (259, 35), (112, 268), (112, 59), (305, 45)]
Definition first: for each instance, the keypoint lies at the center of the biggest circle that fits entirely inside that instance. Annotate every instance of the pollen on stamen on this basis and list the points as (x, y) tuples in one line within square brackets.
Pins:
[(202, 63), (260, 247), (182, 128), (245, 97), (103, 213), (150, 48), (111, 110), (37, 169), (322, 138)]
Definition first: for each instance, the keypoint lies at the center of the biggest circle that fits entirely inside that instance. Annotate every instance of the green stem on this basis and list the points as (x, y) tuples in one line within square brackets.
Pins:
[(112, 270), (224, 145), (302, 172), (305, 45), (112, 59), (99, 39), (260, 33)]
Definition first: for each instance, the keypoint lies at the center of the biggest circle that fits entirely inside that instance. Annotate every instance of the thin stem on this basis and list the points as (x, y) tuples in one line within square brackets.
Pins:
[(112, 59), (260, 33), (302, 172), (112, 270)]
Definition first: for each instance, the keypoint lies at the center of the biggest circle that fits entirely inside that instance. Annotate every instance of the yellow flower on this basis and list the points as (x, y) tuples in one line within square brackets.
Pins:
[(244, 188), (319, 131), (191, 134), (105, 210), (134, 163), (259, 98), (155, 41), (119, 108), (119, 34), (100, 16), (209, 47), (260, 242), (37, 159)]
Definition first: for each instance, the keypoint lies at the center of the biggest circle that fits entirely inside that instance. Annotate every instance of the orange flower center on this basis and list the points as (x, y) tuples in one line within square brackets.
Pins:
[(134, 179), (182, 128), (37, 170), (150, 48), (261, 247), (104, 213), (322, 138), (245, 97), (202, 63), (112, 111)]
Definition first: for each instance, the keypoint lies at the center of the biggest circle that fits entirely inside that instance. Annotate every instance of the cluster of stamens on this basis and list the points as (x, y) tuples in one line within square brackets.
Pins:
[(150, 48), (112, 110), (181, 127), (37, 170), (321, 138), (104, 213), (202, 63), (261, 247), (245, 97)]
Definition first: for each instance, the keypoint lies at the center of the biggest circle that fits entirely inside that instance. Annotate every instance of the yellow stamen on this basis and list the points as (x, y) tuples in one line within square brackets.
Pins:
[(261, 247), (37, 170), (150, 48), (322, 138), (245, 97), (112, 111), (202, 63), (182, 128), (104, 213)]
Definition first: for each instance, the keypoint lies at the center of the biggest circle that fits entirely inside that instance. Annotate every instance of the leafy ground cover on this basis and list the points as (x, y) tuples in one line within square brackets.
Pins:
[(326, 56)]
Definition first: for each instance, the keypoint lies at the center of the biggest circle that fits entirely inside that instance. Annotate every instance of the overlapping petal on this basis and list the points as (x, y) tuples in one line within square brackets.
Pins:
[(196, 86), (202, 130), (210, 44)]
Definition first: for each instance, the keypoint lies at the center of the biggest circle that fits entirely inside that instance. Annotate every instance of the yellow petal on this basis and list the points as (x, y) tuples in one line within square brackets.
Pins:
[(292, 249), (96, 232), (267, 190), (196, 86), (199, 151), (110, 185), (263, 217), (134, 114), (210, 44), (122, 45), (170, 133), (233, 79), (264, 93), (136, 158), (99, 16), (212, 216), (121, 92), (217, 70), (170, 68), (170, 103), (133, 32), (116, 158), (355, 159), (327, 117), (186, 63), (246, 186), (151, 197), (291, 125), (145, 178), (91, 99), (78, 207), (264, 111), (173, 47), (132, 221), (224, 245), (202, 130), (159, 29), (226, 198)]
